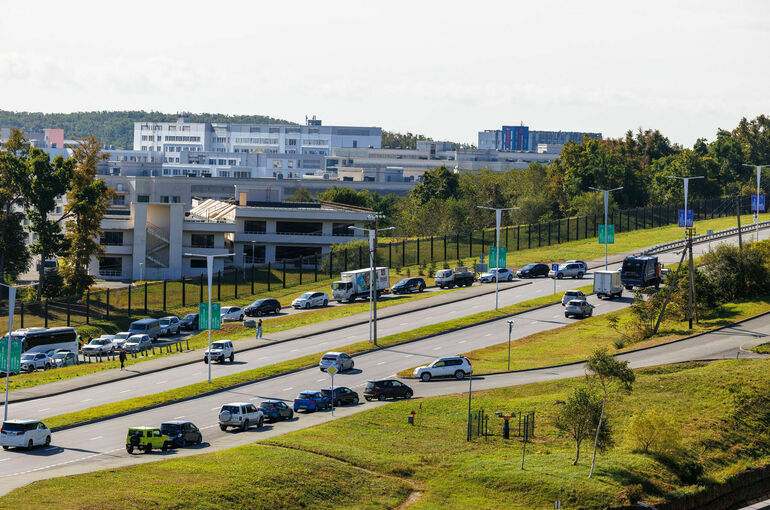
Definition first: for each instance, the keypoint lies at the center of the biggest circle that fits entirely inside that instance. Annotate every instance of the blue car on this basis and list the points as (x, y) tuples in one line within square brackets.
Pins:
[(276, 410), (311, 401)]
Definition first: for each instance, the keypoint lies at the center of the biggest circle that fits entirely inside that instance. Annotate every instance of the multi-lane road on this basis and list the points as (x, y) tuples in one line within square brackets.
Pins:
[(101, 445)]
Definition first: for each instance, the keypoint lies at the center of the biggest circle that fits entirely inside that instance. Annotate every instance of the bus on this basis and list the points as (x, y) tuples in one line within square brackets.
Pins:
[(47, 339)]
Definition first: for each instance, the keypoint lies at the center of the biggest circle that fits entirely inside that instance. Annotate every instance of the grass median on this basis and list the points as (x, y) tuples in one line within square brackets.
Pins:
[(138, 403)]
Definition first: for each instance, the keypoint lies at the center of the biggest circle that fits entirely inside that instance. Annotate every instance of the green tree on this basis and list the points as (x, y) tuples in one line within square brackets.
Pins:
[(393, 140), (14, 254), (341, 195), (578, 419), (87, 201), (612, 376), (651, 430), (301, 195), (437, 183)]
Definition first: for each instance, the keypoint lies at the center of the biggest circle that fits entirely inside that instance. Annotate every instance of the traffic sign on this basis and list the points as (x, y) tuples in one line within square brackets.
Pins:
[(216, 316), (754, 202), (610, 234), (332, 370), (685, 222), (497, 256), (15, 355), (554, 267)]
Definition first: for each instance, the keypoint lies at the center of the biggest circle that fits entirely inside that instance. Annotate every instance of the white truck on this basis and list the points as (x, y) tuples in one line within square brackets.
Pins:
[(355, 284), (458, 276), (608, 284)]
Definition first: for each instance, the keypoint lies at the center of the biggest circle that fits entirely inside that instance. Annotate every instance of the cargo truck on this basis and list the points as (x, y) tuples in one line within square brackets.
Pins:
[(355, 284), (459, 276), (641, 271), (608, 284)]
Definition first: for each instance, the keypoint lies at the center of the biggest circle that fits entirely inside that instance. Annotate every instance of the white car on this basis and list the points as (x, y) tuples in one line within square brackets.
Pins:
[(579, 308), (98, 346), (309, 299), (232, 313), (31, 361), (24, 434), (138, 343), (119, 340), (503, 275), (169, 325), (451, 366), (570, 295), (568, 269), (240, 415), (220, 351)]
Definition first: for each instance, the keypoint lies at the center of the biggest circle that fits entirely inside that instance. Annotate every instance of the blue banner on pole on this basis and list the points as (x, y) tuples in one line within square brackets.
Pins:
[(685, 221), (754, 203)]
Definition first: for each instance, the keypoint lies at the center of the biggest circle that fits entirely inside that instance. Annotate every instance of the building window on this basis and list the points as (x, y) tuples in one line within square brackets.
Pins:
[(176, 199), (111, 239), (143, 198), (298, 228), (294, 252), (341, 229), (253, 254), (110, 266), (242, 175), (255, 227), (224, 173), (198, 263), (164, 199), (291, 141), (277, 163), (202, 241)]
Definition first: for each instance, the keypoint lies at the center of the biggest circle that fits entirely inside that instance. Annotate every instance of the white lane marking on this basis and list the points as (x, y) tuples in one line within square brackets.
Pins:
[(86, 400), (323, 343), (437, 348), (208, 427), (161, 382), (254, 398), (462, 341), (51, 448), (488, 334), (179, 417), (294, 350), (263, 357), (289, 388), (539, 290), (214, 408), (352, 336), (124, 391), (3, 460), (518, 295), (404, 324), (321, 379), (476, 306), (381, 363), (407, 355), (44, 409), (556, 316), (95, 438)]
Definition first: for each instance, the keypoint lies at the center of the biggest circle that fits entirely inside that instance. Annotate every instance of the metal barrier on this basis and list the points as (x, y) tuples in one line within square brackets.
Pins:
[(680, 243)]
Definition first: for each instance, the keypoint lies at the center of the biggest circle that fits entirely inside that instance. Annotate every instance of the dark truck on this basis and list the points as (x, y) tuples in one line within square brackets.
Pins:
[(459, 276), (640, 271)]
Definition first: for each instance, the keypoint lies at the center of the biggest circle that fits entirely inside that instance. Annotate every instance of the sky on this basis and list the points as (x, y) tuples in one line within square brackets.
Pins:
[(444, 69)]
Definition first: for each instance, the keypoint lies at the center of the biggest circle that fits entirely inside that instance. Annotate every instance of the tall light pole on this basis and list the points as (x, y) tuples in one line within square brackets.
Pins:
[(372, 233), (11, 305), (498, 217), (606, 207), (210, 268), (510, 329), (686, 191), (759, 176)]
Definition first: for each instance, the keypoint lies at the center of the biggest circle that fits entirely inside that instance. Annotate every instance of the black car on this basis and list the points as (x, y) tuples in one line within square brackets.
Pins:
[(189, 321), (275, 410), (408, 285), (342, 395), (387, 388), (533, 271), (181, 433), (262, 307)]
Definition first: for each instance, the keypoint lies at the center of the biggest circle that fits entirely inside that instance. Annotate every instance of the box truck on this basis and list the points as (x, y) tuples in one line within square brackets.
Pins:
[(608, 284), (355, 284)]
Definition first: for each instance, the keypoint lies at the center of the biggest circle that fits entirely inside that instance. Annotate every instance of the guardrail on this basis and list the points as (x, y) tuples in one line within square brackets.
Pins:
[(680, 243)]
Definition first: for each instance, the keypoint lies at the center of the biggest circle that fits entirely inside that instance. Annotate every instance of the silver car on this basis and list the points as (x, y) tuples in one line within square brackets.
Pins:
[(572, 294), (572, 269), (579, 308), (340, 360), (31, 361), (169, 325), (138, 343)]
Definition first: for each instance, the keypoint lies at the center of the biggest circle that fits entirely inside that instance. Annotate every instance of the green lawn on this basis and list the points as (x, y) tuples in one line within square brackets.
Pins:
[(703, 399)]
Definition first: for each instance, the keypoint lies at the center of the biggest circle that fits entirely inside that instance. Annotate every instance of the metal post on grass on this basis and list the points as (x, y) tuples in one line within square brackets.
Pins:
[(510, 329), (145, 298), (470, 392), (164, 295), (11, 303)]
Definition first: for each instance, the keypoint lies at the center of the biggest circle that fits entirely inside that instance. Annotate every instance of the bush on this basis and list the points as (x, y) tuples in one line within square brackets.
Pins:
[(619, 343), (421, 269), (446, 265), (653, 431)]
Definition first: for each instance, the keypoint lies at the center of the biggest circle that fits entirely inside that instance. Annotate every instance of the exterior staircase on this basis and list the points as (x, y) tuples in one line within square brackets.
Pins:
[(157, 252)]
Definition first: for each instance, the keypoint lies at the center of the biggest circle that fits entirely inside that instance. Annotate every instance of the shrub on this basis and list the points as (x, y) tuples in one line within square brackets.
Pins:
[(653, 431), (619, 343), (446, 265), (421, 269)]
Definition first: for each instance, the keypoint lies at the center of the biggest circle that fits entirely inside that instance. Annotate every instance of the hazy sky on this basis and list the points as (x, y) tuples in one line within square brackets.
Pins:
[(446, 69)]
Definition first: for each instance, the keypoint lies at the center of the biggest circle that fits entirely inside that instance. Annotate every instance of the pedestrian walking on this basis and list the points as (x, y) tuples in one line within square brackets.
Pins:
[(259, 328), (122, 358)]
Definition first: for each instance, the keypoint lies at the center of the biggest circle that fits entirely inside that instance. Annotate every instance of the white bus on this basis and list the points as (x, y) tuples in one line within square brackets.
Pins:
[(47, 339)]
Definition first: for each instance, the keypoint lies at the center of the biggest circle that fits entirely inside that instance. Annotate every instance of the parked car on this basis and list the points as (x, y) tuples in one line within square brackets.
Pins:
[(119, 340), (533, 271), (240, 415), (98, 347), (220, 351), (64, 359), (181, 433), (450, 366), (573, 270), (31, 361), (309, 299), (24, 434), (339, 359), (189, 322), (232, 313), (387, 388), (582, 263), (276, 410), (169, 325), (262, 307), (579, 308), (342, 395), (149, 327), (570, 295), (145, 439), (407, 285), (138, 343), (311, 401), (504, 275)]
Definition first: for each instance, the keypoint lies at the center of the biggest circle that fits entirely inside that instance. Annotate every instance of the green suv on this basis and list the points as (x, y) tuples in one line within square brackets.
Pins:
[(145, 439)]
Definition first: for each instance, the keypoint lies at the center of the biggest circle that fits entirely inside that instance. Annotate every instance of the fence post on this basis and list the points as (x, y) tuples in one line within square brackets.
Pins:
[(360, 257), (470, 244), (252, 277), (269, 275), (418, 251), (21, 303), (300, 270), (129, 300), (482, 241), (145, 298), (108, 308), (200, 289), (331, 264), (235, 282), (315, 267), (539, 234), (506, 238), (164, 295), (68, 310), (283, 277), (390, 254), (345, 266), (431, 248), (585, 229), (529, 235), (183, 293), (518, 236), (457, 243), (403, 252), (558, 231), (219, 285)]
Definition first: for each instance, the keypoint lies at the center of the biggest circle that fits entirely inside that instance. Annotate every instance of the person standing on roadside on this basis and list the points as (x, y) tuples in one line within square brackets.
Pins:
[(259, 328), (122, 358)]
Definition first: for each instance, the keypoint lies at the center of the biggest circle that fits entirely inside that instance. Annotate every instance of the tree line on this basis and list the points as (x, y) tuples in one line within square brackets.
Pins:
[(444, 202), (30, 184)]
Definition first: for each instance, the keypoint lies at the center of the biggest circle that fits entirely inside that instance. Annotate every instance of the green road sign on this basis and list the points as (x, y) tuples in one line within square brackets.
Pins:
[(15, 355), (610, 234), (332, 370), (493, 257), (216, 316)]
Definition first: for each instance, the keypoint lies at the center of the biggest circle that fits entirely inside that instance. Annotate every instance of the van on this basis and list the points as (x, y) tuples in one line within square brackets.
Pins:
[(149, 327)]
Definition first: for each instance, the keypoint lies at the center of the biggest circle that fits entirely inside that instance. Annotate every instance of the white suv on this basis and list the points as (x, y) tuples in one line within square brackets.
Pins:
[(451, 366), (240, 415), (572, 294), (24, 434), (220, 351)]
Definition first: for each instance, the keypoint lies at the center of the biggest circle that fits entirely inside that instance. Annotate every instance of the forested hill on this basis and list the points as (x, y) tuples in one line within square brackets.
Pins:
[(113, 128)]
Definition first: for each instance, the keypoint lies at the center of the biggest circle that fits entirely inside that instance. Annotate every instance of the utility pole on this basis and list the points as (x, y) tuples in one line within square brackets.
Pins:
[(498, 217), (606, 207), (738, 215)]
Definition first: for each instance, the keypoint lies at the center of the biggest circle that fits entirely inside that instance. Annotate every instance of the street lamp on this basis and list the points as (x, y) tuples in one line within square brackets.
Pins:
[(686, 190), (498, 217), (510, 329), (11, 305), (606, 206), (372, 232), (210, 268), (756, 213)]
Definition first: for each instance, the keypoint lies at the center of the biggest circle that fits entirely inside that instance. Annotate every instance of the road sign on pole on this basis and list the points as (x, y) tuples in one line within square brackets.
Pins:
[(203, 316), (610, 234), (332, 370), (754, 203), (15, 357), (685, 221), (497, 256)]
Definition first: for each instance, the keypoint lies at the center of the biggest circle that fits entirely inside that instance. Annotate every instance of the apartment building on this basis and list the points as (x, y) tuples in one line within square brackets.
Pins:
[(521, 138)]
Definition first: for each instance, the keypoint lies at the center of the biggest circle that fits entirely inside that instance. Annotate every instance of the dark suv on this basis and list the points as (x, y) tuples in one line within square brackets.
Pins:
[(262, 307), (533, 271), (408, 285), (387, 388), (276, 410), (342, 395), (181, 433), (189, 321)]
